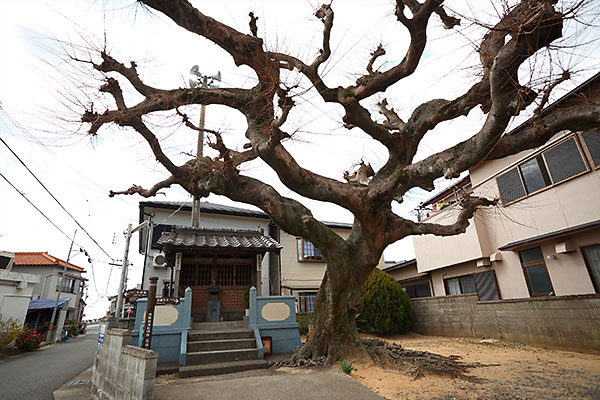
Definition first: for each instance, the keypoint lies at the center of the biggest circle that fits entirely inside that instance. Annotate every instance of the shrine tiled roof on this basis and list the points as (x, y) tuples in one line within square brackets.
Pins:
[(233, 239)]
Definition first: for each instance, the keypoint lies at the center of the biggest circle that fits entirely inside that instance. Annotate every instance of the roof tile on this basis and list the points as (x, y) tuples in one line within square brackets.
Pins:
[(41, 258)]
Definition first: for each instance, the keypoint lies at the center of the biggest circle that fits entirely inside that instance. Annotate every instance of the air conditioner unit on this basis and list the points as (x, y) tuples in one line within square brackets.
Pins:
[(159, 261)]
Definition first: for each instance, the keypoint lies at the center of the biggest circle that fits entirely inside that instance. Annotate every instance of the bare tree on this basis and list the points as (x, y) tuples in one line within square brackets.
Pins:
[(521, 32)]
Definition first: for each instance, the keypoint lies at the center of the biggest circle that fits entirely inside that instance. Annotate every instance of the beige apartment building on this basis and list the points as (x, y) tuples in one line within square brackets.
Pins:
[(542, 239)]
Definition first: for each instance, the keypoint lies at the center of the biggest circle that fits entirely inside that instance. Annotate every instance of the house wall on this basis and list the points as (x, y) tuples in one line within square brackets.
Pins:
[(14, 299), (46, 287), (433, 252), (564, 205), (297, 276), (567, 322), (207, 220)]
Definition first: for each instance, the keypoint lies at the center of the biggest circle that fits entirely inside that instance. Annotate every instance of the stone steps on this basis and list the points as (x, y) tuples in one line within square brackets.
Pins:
[(207, 357), (217, 326), (221, 368), (228, 344), (203, 336), (220, 348)]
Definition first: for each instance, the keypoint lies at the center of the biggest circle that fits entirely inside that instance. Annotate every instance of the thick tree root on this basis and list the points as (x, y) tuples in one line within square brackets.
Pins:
[(394, 356), (413, 362)]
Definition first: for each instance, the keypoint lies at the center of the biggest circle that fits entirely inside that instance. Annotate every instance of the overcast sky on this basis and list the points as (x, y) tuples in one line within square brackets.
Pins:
[(41, 94)]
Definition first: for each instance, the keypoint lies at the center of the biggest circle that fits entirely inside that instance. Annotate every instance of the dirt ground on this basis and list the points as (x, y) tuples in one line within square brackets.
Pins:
[(520, 372)]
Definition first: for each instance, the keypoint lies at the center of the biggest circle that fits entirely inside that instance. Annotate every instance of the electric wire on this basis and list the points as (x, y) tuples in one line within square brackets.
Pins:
[(55, 199), (34, 206)]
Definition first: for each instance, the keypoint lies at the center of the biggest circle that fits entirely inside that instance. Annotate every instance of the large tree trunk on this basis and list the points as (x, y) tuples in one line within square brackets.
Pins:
[(337, 304)]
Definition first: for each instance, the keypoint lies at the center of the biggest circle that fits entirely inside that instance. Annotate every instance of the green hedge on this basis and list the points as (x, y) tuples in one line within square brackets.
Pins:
[(386, 307), (303, 320)]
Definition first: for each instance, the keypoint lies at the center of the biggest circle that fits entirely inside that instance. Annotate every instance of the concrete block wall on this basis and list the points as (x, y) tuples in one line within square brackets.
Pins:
[(123, 371), (561, 322)]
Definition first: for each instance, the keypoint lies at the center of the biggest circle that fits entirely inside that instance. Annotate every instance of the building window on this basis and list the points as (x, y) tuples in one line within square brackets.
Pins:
[(534, 175), (306, 301), (591, 254), (68, 285), (564, 161), (510, 186), (482, 283), (307, 251), (591, 139), (536, 274), (418, 290), (551, 167), (460, 285)]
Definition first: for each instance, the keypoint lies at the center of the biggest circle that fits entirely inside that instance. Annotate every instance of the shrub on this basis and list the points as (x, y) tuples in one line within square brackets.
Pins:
[(9, 331), (72, 328), (304, 320), (386, 307), (28, 340)]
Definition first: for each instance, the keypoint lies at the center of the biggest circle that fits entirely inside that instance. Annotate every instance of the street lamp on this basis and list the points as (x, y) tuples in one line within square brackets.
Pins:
[(197, 79)]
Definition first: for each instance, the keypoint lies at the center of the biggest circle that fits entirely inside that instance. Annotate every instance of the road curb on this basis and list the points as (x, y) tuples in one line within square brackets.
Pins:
[(78, 387)]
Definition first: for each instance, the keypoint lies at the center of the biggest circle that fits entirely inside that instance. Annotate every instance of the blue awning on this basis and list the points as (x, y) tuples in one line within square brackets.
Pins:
[(42, 304)]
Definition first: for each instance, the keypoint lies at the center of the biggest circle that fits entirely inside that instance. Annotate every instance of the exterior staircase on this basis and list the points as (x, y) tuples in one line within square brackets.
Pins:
[(216, 348)]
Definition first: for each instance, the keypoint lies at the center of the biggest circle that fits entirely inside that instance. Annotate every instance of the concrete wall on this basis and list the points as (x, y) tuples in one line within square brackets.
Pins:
[(565, 322), (275, 317), (15, 293), (123, 371), (169, 330)]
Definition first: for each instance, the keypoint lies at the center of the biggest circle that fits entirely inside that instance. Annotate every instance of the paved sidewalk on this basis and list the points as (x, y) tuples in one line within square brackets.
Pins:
[(270, 384), (79, 387)]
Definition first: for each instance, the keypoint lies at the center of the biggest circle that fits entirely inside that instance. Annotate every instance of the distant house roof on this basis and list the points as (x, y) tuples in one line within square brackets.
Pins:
[(400, 264), (41, 259), (42, 304), (231, 239), (436, 197), (581, 91), (213, 208), (205, 207)]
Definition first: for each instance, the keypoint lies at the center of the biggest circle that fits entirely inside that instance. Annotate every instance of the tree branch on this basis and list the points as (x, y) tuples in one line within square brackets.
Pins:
[(143, 192), (245, 49), (575, 118), (109, 64), (508, 98), (399, 227)]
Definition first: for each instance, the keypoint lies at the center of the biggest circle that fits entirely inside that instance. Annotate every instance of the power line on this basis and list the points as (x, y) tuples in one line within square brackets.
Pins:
[(34, 206), (55, 199)]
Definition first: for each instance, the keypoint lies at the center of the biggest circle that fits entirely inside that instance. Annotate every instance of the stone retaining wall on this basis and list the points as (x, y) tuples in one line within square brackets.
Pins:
[(123, 371), (561, 322)]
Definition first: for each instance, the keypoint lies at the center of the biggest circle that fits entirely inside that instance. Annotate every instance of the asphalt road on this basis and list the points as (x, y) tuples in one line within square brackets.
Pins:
[(35, 375)]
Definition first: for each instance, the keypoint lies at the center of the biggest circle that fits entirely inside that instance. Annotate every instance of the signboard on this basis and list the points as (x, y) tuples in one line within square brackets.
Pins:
[(178, 257), (259, 259), (101, 333)]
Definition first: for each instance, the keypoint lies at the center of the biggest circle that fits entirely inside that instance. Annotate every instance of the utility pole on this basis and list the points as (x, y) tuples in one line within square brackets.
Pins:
[(199, 154), (206, 83), (60, 284), (128, 234)]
